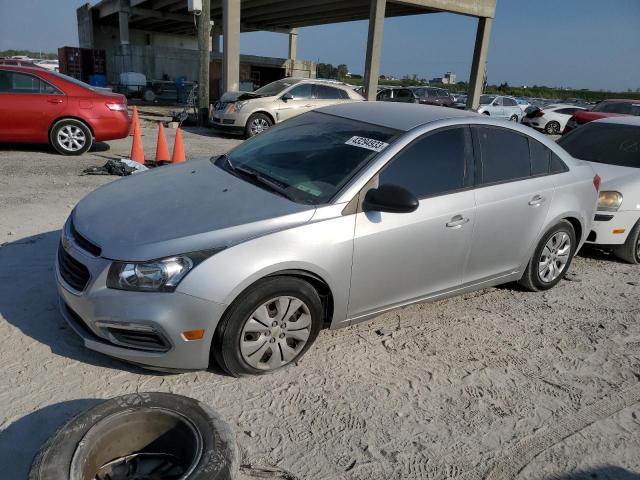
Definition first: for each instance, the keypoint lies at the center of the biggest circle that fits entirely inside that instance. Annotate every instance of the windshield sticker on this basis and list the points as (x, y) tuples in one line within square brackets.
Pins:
[(368, 143)]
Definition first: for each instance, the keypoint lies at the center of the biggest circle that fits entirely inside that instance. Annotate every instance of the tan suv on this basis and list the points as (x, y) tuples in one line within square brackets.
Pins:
[(254, 112)]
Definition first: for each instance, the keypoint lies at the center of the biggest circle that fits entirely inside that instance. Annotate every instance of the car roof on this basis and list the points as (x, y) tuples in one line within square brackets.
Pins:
[(399, 116), (23, 68), (622, 100), (621, 120)]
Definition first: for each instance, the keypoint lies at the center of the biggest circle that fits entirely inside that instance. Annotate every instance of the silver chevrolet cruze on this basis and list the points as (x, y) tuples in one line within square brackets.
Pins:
[(327, 219)]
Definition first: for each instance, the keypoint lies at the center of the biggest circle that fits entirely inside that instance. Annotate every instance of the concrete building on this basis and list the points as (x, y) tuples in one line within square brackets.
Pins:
[(171, 21), (448, 79)]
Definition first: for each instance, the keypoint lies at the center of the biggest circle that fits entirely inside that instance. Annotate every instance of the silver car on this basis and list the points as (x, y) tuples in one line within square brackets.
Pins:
[(327, 219), (499, 106)]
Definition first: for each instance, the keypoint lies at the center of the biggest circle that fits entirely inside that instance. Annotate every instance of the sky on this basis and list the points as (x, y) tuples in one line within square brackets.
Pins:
[(563, 43)]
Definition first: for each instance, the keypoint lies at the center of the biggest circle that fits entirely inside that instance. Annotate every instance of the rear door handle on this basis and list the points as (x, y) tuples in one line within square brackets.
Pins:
[(457, 222), (54, 100), (536, 201)]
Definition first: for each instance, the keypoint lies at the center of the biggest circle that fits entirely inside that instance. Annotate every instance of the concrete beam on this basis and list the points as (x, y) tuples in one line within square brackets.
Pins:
[(231, 45), (374, 48), (293, 44), (107, 8), (248, 27), (479, 64), (474, 8), (145, 12)]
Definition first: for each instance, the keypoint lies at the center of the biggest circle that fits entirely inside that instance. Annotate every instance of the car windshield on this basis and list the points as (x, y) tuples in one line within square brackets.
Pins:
[(310, 157), (626, 108), (274, 88), (486, 99), (75, 81), (608, 143)]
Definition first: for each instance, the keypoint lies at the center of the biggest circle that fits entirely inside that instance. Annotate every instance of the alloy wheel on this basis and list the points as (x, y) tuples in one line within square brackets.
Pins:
[(553, 128), (555, 256), (259, 125), (71, 138), (275, 333)]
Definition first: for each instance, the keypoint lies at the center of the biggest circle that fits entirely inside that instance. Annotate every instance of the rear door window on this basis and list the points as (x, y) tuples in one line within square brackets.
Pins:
[(504, 155), (324, 92), (509, 102), (432, 165), (605, 143)]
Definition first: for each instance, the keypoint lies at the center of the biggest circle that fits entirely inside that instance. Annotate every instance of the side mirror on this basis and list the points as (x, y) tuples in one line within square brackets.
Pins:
[(286, 97), (390, 198)]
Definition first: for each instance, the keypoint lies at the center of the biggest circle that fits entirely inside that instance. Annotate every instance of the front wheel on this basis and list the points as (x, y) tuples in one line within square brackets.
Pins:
[(270, 325), (70, 137), (257, 123), (551, 259), (630, 251)]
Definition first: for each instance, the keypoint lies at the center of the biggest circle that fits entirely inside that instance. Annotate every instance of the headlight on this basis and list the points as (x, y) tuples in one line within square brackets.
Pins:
[(609, 201), (162, 275), (241, 104)]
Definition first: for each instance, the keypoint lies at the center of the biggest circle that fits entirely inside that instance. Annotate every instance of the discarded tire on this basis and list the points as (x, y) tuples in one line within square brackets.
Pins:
[(147, 436)]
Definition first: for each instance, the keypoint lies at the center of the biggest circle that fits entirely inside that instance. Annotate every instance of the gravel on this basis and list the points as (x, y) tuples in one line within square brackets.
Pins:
[(498, 384)]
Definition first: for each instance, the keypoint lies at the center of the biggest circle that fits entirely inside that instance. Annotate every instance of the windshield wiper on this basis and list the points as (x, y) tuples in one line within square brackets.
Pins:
[(266, 181)]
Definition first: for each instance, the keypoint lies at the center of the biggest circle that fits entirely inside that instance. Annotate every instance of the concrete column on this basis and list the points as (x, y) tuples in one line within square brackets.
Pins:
[(374, 48), (231, 52), (123, 22), (204, 44), (479, 65), (215, 44), (293, 43)]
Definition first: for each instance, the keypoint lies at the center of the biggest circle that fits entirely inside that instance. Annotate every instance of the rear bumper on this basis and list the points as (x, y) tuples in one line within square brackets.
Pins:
[(605, 223), (111, 127)]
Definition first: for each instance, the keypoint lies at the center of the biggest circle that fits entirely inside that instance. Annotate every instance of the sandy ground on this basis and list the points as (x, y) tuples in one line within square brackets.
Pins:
[(497, 384)]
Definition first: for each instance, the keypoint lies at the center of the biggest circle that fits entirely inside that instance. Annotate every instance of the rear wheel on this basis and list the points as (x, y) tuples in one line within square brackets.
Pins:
[(552, 128), (70, 137), (270, 325), (514, 118), (257, 123), (630, 251), (551, 259)]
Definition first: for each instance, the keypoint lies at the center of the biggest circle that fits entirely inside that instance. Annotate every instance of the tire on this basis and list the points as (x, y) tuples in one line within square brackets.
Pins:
[(213, 455), (486, 113), (257, 123), (514, 118), (532, 279), (552, 128), (630, 251), (254, 324), (70, 137)]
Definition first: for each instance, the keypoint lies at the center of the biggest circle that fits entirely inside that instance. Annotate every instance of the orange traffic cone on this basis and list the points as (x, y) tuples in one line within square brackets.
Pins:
[(137, 153), (135, 122), (162, 149), (178, 148)]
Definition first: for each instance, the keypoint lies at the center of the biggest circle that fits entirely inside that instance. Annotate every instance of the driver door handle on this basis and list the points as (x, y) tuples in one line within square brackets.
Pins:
[(536, 201), (457, 222), (54, 100)]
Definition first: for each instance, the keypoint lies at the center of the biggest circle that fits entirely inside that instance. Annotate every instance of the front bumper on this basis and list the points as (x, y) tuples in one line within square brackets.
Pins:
[(605, 223), (534, 123), (229, 121), (97, 311)]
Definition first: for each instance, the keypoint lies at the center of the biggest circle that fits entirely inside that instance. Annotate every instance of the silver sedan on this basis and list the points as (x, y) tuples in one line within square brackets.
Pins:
[(327, 219)]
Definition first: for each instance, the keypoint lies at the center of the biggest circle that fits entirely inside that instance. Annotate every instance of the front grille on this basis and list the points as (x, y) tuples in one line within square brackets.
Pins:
[(85, 244), (75, 274)]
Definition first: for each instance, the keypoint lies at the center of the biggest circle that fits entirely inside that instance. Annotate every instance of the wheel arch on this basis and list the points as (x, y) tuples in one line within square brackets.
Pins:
[(71, 117), (263, 112), (577, 227)]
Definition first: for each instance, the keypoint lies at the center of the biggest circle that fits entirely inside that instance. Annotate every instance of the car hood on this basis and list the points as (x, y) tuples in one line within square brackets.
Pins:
[(589, 116), (179, 209), (625, 180), (229, 97)]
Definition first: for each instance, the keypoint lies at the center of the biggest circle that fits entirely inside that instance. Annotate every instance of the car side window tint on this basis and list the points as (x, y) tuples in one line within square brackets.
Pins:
[(22, 83), (324, 92), (432, 165), (557, 165), (497, 102), (5, 81), (404, 93), (384, 95), (540, 157), (566, 111), (303, 91), (504, 155), (509, 102), (48, 88)]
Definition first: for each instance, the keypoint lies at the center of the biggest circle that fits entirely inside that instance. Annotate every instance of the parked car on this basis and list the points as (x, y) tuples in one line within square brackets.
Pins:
[(330, 218), (252, 113), (523, 103), (500, 107), (39, 106), (52, 65), (612, 146), (433, 96), (551, 119), (18, 62), (402, 95), (604, 109)]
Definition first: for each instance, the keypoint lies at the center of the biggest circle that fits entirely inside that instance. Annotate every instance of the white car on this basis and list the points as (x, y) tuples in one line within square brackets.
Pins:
[(500, 107), (51, 65), (612, 146), (551, 119)]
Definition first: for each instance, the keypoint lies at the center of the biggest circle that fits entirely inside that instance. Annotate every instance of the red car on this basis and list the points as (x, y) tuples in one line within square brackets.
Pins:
[(604, 109), (39, 106)]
